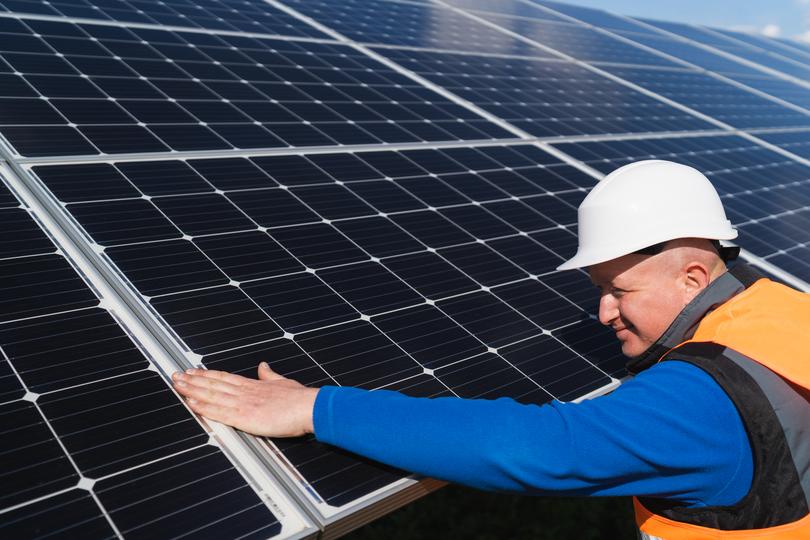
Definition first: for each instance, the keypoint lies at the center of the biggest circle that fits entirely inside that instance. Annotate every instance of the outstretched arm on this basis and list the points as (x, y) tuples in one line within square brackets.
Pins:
[(640, 440)]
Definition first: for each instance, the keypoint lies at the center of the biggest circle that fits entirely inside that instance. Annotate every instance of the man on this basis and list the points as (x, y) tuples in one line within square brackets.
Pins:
[(711, 434)]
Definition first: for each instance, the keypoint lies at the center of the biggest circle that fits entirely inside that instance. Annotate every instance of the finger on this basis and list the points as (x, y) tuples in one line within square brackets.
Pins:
[(267, 374), (207, 382), (201, 393), (230, 378), (212, 411)]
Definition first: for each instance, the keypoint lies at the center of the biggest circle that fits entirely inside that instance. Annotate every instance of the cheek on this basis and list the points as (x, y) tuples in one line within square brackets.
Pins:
[(650, 316)]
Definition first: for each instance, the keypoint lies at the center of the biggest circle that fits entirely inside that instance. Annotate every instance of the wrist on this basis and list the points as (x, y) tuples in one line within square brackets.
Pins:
[(310, 396)]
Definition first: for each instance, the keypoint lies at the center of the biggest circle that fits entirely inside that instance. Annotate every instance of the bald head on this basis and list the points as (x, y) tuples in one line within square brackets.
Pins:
[(640, 295)]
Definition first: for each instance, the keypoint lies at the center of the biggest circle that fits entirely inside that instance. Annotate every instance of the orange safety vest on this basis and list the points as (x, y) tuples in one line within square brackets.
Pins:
[(763, 325)]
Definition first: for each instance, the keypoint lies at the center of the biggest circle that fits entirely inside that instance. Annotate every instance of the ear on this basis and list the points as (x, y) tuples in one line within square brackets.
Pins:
[(696, 277)]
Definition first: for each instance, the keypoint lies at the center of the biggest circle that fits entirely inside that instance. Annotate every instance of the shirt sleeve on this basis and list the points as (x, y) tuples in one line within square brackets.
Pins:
[(670, 432)]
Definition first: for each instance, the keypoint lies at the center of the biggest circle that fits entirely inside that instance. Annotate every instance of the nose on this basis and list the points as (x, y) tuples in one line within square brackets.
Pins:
[(608, 309)]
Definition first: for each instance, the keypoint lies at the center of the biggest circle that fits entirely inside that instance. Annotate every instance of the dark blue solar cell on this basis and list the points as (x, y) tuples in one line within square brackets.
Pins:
[(511, 182), (392, 164), (203, 214), (68, 349), (292, 170), (429, 336), (432, 191), (431, 229), (117, 139), (471, 158), (550, 364), (123, 222), (189, 137), (91, 111), (518, 215), (318, 245), (40, 285), (27, 111), (379, 236), (576, 287), (482, 264), (284, 357), (333, 201), (273, 207), (596, 343), (385, 196), (34, 464), (300, 302), (553, 208), (231, 173), (73, 513), (344, 167), (358, 354), (560, 241), (539, 303), (529, 255), (248, 255), (166, 267), (474, 187), (431, 275), (489, 376), (19, 235), (370, 288), (246, 136), (488, 319), (199, 486), (477, 221), (216, 319), (110, 426), (156, 112)]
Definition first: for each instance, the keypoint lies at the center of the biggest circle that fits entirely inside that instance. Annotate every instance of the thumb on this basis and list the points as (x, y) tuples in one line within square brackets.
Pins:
[(267, 374)]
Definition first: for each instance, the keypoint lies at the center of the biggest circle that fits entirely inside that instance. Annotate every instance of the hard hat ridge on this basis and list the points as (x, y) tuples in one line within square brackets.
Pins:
[(645, 203)]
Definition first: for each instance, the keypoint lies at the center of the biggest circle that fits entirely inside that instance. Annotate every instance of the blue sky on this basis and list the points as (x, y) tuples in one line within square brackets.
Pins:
[(783, 18)]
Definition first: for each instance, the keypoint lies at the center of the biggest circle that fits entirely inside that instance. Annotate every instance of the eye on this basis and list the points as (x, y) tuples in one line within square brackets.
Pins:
[(617, 292)]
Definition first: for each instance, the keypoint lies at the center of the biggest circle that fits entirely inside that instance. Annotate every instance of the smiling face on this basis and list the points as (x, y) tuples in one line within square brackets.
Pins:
[(641, 295)]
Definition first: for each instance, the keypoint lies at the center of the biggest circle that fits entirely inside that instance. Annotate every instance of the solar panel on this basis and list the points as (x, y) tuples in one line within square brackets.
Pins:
[(358, 193), (382, 268), (90, 425)]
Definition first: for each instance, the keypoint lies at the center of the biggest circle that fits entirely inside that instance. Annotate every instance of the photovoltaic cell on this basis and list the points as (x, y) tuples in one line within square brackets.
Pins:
[(81, 406)]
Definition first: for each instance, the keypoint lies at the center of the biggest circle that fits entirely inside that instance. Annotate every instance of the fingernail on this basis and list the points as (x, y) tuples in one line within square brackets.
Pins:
[(264, 365), (180, 383), (192, 401), (190, 370)]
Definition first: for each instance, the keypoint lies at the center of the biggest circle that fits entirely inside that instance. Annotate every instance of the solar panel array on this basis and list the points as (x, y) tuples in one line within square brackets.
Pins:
[(364, 193)]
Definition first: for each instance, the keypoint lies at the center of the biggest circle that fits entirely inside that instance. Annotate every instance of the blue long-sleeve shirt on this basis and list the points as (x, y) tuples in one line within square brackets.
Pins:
[(669, 432)]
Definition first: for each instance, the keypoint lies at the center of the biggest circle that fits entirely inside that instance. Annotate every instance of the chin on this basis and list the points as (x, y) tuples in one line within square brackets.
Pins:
[(632, 350)]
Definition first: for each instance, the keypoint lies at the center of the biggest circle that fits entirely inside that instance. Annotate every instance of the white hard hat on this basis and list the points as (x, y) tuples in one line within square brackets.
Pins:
[(643, 204)]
